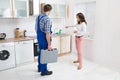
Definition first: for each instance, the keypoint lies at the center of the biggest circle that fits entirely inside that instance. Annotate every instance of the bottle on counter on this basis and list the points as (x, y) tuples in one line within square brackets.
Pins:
[(25, 33), (60, 31), (17, 33)]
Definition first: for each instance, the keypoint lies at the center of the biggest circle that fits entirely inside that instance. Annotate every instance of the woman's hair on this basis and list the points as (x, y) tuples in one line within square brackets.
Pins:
[(81, 17), (47, 7)]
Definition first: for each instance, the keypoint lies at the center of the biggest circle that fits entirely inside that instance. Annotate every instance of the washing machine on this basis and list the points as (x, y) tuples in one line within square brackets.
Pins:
[(7, 56)]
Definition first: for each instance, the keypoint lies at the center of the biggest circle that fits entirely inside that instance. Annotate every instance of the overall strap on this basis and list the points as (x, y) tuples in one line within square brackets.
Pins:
[(38, 23)]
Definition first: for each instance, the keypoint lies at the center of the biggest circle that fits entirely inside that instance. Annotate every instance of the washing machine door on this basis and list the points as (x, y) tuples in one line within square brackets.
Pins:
[(4, 55)]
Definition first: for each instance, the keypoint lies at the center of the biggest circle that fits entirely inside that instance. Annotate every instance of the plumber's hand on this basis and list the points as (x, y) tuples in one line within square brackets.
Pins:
[(49, 47), (75, 31)]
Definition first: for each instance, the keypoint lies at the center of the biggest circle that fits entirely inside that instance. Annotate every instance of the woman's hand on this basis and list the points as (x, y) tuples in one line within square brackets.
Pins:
[(66, 27), (75, 31)]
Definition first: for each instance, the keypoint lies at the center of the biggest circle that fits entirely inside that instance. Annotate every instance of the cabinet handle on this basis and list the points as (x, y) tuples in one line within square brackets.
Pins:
[(18, 42)]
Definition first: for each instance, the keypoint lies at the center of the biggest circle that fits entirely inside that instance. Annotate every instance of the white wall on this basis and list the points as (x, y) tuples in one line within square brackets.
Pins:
[(107, 34), (89, 11), (8, 25)]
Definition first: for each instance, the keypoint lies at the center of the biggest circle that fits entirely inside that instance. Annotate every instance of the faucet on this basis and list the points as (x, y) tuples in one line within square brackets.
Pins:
[(55, 30)]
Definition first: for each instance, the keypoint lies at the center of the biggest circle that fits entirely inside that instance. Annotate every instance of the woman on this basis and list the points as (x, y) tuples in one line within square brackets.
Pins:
[(79, 34)]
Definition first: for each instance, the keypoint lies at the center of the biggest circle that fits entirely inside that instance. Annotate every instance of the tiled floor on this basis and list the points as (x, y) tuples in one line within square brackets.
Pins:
[(64, 69)]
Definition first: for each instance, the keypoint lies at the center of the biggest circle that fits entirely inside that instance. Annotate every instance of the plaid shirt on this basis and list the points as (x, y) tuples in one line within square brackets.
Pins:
[(45, 23)]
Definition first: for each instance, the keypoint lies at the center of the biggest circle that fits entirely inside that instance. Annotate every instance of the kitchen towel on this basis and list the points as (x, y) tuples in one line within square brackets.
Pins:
[(49, 56)]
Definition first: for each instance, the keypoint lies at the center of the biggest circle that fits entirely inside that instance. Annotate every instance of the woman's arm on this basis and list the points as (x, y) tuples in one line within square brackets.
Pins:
[(71, 26)]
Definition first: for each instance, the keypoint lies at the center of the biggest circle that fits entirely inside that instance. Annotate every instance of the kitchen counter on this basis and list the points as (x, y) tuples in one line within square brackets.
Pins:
[(29, 38), (16, 39), (61, 35), (53, 35)]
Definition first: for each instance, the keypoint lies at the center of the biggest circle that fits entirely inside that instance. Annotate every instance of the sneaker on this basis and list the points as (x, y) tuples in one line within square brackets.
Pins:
[(39, 70)]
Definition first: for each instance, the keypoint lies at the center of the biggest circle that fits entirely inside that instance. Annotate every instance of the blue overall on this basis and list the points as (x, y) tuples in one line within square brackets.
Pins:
[(41, 37)]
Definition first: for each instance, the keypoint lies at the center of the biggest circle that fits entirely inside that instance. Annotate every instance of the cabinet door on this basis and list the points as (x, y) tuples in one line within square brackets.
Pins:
[(53, 12), (5, 8), (65, 44), (56, 43), (24, 52), (61, 11), (21, 8)]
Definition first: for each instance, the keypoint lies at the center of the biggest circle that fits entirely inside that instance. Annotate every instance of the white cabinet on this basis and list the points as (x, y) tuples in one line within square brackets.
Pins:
[(56, 43), (62, 43), (53, 12), (14, 8), (20, 8), (26, 8), (65, 44), (61, 11), (58, 10), (84, 1), (24, 52), (5, 9)]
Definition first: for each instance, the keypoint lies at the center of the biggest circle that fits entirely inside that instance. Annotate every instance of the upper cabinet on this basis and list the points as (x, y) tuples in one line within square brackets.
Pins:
[(53, 13), (14, 8), (26, 8), (5, 8), (83, 1), (20, 8), (58, 10), (61, 11)]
